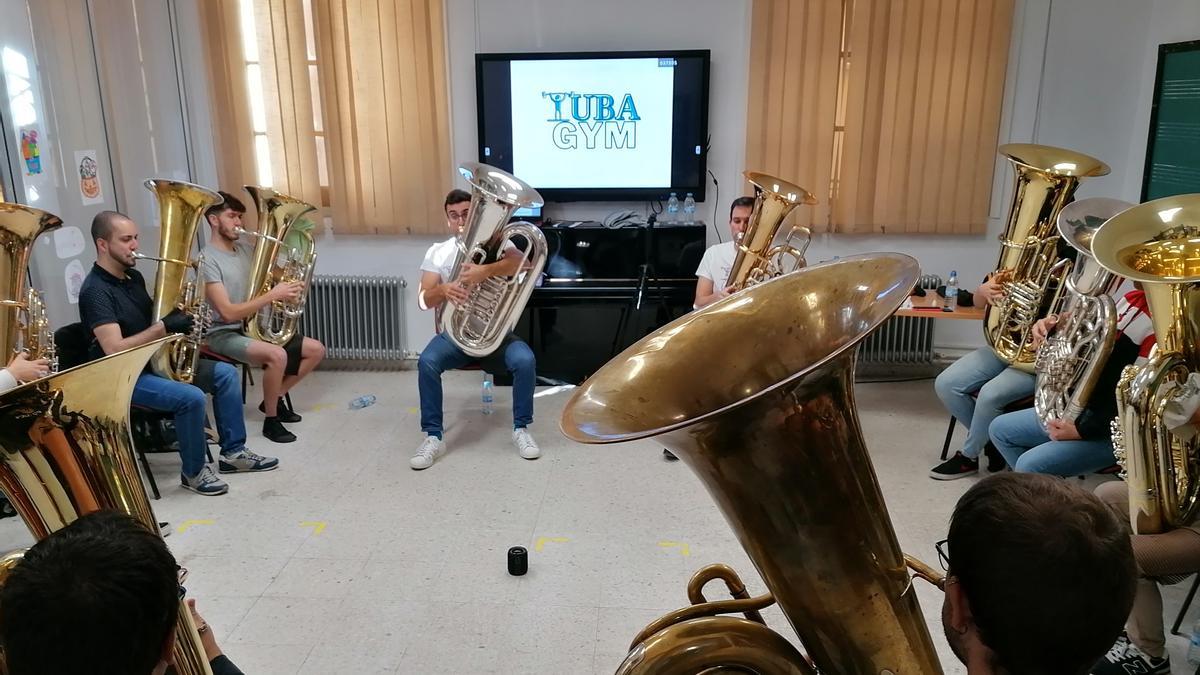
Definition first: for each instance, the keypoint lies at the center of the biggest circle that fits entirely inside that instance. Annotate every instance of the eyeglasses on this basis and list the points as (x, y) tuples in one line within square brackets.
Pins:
[(943, 557), (456, 216)]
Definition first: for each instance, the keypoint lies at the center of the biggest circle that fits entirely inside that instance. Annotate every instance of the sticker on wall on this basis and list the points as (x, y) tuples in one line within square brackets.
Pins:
[(74, 279), (30, 152), (89, 177), (68, 242)]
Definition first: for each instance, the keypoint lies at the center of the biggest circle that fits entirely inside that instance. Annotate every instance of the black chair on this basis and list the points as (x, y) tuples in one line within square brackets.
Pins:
[(152, 431)]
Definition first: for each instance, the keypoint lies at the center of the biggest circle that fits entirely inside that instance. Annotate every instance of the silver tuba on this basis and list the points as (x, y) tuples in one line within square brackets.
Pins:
[(479, 326), (1071, 359)]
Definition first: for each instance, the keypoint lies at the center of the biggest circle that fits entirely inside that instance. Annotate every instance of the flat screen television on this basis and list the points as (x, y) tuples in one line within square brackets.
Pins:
[(602, 126)]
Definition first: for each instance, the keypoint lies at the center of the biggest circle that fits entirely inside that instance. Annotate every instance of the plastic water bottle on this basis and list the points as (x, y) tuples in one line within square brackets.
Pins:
[(1193, 652), (951, 299), (689, 210), (673, 209), (362, 402), (487, 396)]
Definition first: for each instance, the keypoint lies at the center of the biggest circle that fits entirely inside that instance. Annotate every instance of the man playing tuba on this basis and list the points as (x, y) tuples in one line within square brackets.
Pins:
[(226, 270), (441, 354), (116, 309)]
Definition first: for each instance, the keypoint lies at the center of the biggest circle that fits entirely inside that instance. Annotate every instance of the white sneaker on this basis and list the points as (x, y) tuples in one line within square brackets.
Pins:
[(431, 448), (525, 444)]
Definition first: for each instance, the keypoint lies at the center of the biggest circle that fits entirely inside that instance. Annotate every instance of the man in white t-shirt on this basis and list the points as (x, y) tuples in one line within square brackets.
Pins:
[(441, 354), (718, 259)]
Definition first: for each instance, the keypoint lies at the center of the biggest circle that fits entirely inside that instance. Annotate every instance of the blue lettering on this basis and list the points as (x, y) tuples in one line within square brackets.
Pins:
[(590, 131), (604, 107), (564, 136), (627, 108), (620, 135), (587, 111)]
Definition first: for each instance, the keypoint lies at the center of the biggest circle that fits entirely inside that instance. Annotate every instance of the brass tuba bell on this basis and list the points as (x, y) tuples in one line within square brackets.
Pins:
[(24, 324), (279, 222), (66, 451), (1029, 270), (1158, 244), (776, 442), (759, 258)]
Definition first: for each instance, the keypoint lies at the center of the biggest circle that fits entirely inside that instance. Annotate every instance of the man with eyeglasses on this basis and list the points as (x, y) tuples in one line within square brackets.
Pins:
[(441, 354), (1040, 577)]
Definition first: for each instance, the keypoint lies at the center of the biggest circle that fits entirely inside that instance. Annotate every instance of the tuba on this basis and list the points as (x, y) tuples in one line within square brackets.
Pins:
[(494, 306), (24, 325), (180, 206), (66, 451), (757, 258), (1158, 244), (1071, 360), (279, 220), (775, 443), (1029, 270)]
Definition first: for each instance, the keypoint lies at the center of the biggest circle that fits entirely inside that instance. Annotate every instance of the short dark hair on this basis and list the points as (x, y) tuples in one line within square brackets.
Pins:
[(456, 196), (747, 202), (228, 203), (100, 595), (104, 223), (1047, 569)]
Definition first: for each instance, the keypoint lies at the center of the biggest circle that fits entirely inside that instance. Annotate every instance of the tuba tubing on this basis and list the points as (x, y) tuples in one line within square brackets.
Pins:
[(758, 258), (776, 442), (278, 217)]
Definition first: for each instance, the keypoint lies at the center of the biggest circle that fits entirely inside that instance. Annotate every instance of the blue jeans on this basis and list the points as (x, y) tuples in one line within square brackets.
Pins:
[(186, 401), (1027, 447), (441, 355), (995, 386)]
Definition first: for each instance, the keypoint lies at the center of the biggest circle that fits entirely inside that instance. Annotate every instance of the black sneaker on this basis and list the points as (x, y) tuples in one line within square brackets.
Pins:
[(1125, 658), (669, 456), (282, 413), (273, 430), (958, 466), (994, 458)]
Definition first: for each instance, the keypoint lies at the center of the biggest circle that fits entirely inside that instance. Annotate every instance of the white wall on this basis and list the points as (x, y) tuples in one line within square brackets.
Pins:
[(1081, 74)]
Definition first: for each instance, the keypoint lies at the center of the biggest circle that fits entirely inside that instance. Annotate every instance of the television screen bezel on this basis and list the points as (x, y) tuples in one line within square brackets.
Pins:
[(607, 194)]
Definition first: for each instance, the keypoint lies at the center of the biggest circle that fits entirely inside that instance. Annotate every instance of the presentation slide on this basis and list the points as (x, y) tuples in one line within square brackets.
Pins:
[(593, 123)]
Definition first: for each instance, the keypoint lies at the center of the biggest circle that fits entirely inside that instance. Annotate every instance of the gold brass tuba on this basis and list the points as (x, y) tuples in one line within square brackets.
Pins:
[(66, 451), (1158, 244), (180, 206), (278, 216), (494, 306), (1071, 359), (1046, 179), (777, 444), (758, 258), (24, 324)]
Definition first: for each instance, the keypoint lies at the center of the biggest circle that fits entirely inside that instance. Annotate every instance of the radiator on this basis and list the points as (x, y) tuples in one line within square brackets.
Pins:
[(902, 344), (359, 319)]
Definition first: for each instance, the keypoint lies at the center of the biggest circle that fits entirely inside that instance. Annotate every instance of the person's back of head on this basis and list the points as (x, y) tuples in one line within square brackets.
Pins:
[(99, 596), (1047, 570)]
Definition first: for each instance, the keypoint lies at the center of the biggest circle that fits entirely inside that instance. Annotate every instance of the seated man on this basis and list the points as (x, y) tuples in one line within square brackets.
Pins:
[(226, 269), (1065, 447), (1040, 577), (441, 354), (98, 597), (1175, 553), (115, 307), (718, 259)]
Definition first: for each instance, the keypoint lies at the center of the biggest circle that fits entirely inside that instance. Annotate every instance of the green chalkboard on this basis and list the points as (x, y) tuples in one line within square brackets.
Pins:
[(1173, 149)]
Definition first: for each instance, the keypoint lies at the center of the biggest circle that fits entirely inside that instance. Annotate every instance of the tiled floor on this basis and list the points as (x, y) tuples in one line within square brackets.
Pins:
[(346, 561)]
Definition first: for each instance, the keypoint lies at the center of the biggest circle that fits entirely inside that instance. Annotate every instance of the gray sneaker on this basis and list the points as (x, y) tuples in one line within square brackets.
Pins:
[(244, 461), (204, 483), (427, 453)]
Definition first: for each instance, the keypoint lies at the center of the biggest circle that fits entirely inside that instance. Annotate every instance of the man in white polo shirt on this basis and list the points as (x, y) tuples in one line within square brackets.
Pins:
[(441, 354), (718, 259)]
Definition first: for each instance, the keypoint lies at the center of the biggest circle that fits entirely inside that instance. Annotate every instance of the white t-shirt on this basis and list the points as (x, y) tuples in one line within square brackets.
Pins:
[(440, 257), (717, 262)]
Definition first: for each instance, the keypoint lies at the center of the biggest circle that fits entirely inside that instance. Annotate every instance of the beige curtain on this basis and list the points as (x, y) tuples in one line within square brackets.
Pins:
[(915, 111), (386, 113), (380, 108)]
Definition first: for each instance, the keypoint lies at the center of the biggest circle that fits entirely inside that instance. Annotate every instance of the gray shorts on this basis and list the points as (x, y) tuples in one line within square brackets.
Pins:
[(229, 343)]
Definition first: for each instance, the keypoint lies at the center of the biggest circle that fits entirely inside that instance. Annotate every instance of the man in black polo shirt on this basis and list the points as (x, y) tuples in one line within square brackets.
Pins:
[(114, 305)]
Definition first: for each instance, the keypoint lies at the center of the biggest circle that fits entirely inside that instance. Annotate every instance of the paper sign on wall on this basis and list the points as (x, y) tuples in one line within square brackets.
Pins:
[(31, 154), (74, 280), (88, 169), (68, 242)]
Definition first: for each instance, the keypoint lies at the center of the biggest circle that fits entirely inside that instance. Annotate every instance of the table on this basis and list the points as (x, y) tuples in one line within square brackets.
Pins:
[(929, 307)]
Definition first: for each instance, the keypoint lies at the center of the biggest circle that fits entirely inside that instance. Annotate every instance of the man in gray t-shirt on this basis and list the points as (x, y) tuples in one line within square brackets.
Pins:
[(226, 271)]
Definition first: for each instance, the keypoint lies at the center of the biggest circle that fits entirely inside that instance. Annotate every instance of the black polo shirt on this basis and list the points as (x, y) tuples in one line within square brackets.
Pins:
[(104, 298)]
